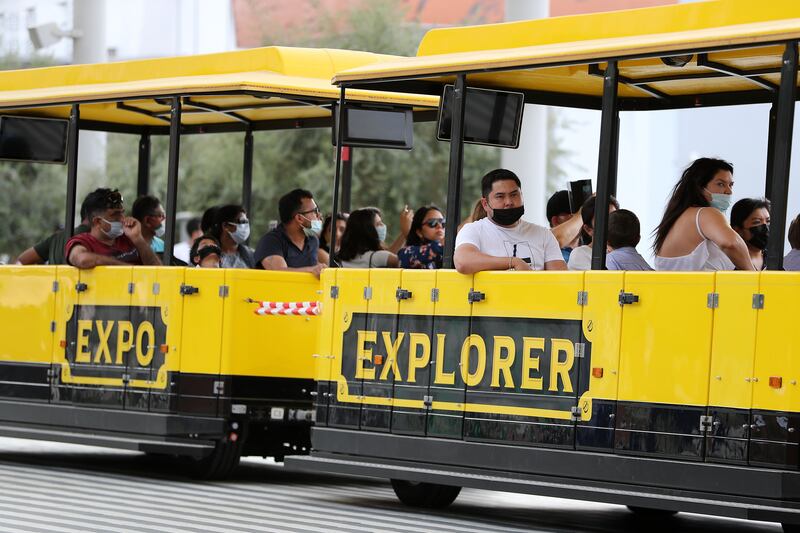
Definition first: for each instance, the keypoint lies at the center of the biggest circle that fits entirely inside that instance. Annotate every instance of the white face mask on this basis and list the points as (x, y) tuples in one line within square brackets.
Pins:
[(314, 230), (115, 230), (381, 232), (160, 231), (241, 234)]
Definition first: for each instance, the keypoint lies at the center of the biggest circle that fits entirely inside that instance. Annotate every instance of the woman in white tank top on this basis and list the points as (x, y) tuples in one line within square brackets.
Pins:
[(694, 234)]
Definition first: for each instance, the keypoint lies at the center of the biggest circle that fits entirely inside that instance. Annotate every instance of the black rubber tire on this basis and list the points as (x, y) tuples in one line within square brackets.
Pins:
[(651, 513), (425, 495), (217, 466), (791, 528)]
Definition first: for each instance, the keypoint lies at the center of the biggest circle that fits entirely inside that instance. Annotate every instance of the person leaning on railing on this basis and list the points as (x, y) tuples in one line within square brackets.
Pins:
[(425, 241), (693, 234)]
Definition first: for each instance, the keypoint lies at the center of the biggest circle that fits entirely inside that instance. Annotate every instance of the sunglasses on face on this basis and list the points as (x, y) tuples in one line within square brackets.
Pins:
[(432, 223), (113, 200)]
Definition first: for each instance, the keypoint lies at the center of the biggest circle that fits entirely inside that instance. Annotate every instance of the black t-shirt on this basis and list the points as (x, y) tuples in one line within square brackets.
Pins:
[(51, 249), (276, 242)]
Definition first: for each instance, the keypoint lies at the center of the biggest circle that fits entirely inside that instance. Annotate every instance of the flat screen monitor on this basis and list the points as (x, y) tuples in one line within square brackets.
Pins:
[(378, 127), (492, 118), (41, 140)]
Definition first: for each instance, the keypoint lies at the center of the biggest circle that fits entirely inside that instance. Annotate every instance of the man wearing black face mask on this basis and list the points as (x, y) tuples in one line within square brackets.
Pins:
[(750, 219), (502, 241)]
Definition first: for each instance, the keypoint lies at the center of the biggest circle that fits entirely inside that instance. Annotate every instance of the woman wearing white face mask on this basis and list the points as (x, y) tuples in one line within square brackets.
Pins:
[(362, 242), (694, 233), (232, 229)]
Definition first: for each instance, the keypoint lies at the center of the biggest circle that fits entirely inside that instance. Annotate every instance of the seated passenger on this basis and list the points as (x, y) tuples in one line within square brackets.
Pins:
[(693, 234), (325, 236), (424, 245), (113, 239), (148, 211), (623, 236), (502, 241), (207, 220), (477, 214), (182, 249), (792, 260), (750, 219), (231, 229), (565, 225), (362, 242), (294, 244), (206, 253), (581, 257), (51, 249)]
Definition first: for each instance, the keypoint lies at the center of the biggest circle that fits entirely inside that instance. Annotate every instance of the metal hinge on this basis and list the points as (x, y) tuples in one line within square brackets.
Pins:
[(758, 301), (403, 294), (126, 378), (706, 423), (219, 387), (583, 297), (52, 326), (131, 287), (627, 298), (475, 296), (427, 401), (435, 294), (334, 292), (187, 290), (156, 288), (712, 302), (575, 413), (580, 350), (223, 291), (81, 287), (55, 286), (367, 293)]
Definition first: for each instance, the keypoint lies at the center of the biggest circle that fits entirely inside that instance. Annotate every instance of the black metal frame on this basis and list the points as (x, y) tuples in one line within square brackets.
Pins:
[(172, 177), (456, 167), (337, 176), (143, 175), (72, 168), (247, 171)]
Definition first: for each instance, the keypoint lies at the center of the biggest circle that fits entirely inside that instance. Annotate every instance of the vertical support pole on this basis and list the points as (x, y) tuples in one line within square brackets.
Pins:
[(339, 122), (172, 177), (72, 168), (607, 164), (143, 180), (456, 167), (781, 156), (773, 118), (347, 179), (247, 171)]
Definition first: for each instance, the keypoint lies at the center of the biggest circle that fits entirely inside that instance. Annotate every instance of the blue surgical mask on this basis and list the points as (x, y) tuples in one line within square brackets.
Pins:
[(314, 230), (381, 232), (720, 201), (115, 230), (241, 234)]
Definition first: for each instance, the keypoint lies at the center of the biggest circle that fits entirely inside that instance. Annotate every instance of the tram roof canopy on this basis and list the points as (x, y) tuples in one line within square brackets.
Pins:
[(735, 46), (257, 86)]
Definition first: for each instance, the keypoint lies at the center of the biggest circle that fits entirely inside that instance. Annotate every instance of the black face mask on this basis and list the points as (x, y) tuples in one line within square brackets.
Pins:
[(759, 235), (506, 217)]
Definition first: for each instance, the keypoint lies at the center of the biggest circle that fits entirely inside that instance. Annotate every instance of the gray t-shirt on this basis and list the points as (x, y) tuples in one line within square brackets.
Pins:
[(792, 261), (377, 259)]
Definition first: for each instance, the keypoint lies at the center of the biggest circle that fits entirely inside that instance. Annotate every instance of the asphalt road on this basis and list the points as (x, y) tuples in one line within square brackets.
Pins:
[(47, 487)]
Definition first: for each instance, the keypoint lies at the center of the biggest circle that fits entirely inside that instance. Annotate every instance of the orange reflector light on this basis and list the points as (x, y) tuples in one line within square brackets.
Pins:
[(62, 343), (776, 382), (597, 372), (164, 348), (378, 359)]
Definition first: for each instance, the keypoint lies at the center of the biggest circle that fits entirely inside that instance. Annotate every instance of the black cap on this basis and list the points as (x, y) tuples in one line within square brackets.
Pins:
[(558, 204)]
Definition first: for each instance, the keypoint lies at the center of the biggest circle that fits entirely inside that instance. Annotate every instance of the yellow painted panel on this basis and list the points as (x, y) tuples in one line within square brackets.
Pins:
[(351, 311), (170, 303), (419, 283), (778, 344), (733, 340), (602, 323), (27, 306), (201, 333), (453, 292), (529, 294), (664, 353), (384, 283), (324, 352), (273, 346), (66, 298)]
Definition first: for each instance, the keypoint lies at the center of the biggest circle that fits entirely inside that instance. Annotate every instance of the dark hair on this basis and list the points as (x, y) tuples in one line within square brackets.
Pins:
[(291, 202), (794, 233), (85, 208), (194, 252), (324, 239), (557, 204), (587, 213), (144, 206), (744, 208), (360, 235), (97, 201), (623, 229), (192, 225), (688, 192), (416, 224), (498, 174), (225, 213), (207, 222)]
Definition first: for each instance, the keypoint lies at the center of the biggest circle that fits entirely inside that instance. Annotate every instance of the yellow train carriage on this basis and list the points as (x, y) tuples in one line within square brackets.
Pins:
[(167, 359), (662, 391)]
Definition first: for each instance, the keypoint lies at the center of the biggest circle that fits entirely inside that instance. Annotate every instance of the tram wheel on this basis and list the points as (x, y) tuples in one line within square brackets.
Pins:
[(426, 495), (650, 512), (219, 464)]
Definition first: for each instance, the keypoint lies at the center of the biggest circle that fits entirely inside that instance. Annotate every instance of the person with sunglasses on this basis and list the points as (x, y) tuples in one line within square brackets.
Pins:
[(113, 239), (294, 244), (231, 230), (425, 241)]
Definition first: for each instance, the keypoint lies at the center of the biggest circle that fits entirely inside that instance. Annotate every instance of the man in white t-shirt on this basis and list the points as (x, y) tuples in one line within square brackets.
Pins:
[(502, 241)]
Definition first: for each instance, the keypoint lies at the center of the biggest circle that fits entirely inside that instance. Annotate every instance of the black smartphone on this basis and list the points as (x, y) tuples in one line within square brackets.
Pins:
[(579, 192)]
